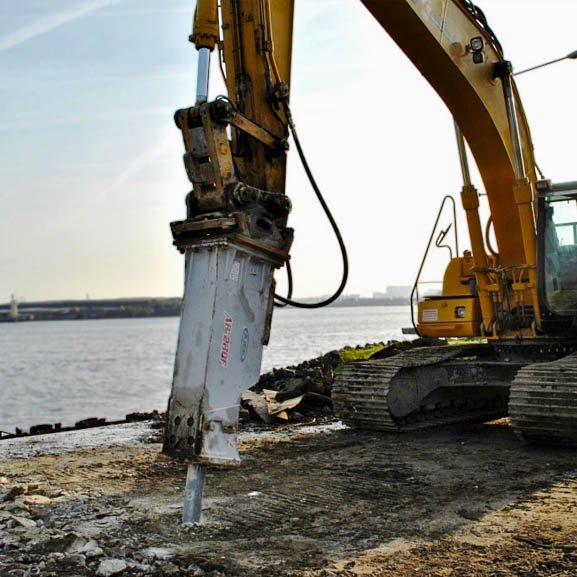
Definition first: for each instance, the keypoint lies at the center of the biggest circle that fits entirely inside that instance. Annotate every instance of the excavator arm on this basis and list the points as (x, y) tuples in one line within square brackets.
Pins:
[(235, 234)]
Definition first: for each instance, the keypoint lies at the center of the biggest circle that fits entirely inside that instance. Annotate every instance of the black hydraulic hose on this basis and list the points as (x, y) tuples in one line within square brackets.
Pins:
[(345, 275), (289, 274), (284, 301)]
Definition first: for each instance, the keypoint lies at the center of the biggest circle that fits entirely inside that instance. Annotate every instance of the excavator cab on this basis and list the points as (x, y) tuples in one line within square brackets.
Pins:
[(557, 256)]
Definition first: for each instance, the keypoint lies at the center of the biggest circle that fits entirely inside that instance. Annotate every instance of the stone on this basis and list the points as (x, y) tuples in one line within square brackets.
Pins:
[(37, 500), (24, 522), (16, 506), (13, 492), (159, 553), (109, 567), (195, 571)]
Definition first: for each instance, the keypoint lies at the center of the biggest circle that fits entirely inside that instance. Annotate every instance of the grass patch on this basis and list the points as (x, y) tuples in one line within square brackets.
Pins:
[(350, 354), (452, 341)]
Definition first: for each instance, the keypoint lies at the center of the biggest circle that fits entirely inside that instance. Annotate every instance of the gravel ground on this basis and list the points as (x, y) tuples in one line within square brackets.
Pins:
[(315, 501)]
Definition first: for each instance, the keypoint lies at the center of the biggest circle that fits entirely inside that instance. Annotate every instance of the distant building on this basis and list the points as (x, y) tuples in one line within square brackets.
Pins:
[(398, 292)]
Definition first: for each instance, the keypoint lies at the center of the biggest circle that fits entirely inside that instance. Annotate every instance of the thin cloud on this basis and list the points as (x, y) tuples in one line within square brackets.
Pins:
[(140, 162), (22, 122), (28, 168), (50, 78), (50, 22), (151, 11)]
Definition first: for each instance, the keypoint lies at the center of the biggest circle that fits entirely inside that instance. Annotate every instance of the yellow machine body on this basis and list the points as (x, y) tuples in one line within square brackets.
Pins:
[(237, 218), (450, 317), (456, 312)]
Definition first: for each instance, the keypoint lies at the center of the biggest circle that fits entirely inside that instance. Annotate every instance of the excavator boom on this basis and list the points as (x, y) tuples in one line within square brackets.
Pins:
[(439, 38)]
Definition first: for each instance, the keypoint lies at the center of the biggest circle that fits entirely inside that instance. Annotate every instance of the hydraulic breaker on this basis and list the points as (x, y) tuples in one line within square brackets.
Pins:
[(233, 239)]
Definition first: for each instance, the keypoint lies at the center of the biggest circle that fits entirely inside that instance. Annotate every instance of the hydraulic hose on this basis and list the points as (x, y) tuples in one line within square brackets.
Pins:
[(334, 226), (289, 274)]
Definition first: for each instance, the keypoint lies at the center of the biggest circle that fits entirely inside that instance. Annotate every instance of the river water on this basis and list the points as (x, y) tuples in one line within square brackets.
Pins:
[(64, 371)]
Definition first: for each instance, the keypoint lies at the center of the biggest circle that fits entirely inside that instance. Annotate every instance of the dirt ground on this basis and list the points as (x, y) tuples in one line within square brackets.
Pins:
[(306, 502)]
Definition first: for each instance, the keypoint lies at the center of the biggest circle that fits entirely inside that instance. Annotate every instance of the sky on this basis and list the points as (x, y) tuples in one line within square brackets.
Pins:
[(91, 167)]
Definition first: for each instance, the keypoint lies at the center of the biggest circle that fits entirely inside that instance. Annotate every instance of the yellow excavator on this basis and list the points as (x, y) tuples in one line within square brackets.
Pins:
[(518, 300)]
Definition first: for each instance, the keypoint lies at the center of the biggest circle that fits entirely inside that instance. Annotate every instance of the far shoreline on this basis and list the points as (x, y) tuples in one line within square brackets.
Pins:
[(141, 308)]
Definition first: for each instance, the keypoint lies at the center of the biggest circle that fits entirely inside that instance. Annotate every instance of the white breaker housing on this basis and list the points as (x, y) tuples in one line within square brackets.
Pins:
[(224, 325)]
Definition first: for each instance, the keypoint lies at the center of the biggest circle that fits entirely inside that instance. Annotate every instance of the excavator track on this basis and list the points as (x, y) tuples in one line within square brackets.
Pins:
[(543, 402), (422, 388)]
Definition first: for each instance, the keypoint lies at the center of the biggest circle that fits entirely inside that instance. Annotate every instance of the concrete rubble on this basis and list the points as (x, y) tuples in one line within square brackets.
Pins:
[(294, 393), (35, 521), (303, 391)]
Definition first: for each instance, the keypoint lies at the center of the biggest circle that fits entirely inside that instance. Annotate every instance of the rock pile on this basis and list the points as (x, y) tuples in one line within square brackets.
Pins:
[(301, 390), (28, 523), (50, 532)]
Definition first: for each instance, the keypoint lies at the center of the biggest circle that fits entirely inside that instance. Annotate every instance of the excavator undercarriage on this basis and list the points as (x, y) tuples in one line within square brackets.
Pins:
[(423, 387), (534, 382), (543, 402)]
